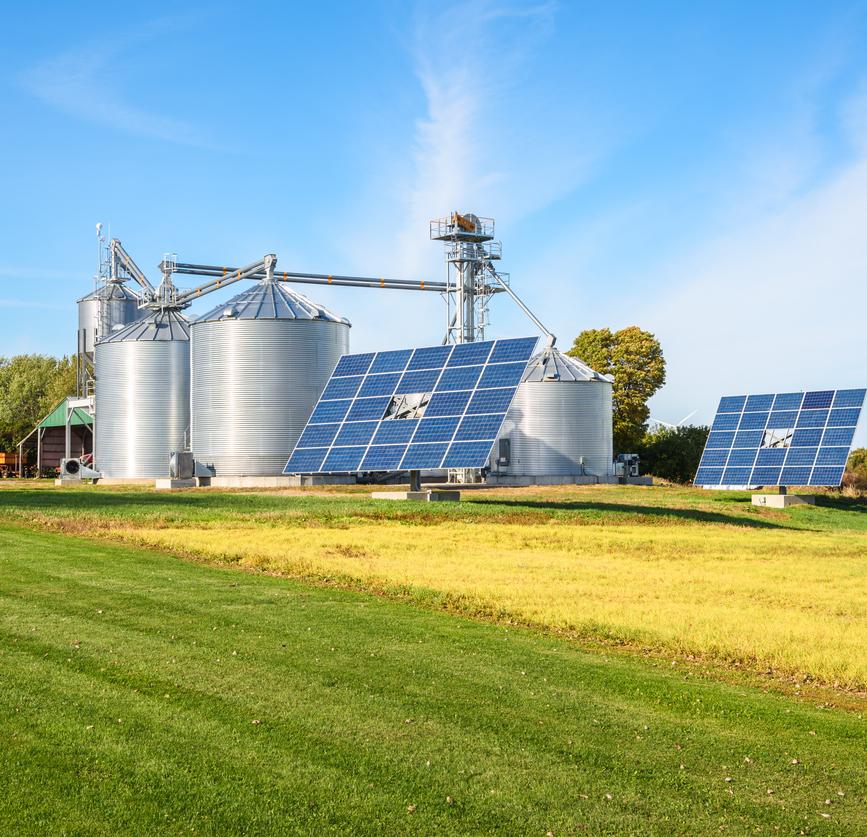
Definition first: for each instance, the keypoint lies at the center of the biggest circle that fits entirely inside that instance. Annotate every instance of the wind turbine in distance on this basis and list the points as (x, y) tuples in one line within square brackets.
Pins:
[(656, 423)]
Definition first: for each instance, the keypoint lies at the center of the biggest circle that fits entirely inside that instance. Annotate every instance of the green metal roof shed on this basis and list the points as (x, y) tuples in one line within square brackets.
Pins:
[(57, 417), (47, 431)]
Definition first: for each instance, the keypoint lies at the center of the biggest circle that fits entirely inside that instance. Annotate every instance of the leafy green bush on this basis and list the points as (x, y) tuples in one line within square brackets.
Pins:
[(673, 453), (856, 470)]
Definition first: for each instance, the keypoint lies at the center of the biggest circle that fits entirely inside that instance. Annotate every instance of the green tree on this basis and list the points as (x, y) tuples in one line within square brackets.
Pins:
[(673, 453), (30, 387), (634, 357)]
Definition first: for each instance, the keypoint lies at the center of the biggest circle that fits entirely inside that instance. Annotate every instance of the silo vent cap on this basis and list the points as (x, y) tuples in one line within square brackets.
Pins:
[(230, 311)]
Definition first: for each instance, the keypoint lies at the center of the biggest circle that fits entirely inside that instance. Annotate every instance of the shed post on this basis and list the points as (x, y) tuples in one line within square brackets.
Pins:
[(68, 433)]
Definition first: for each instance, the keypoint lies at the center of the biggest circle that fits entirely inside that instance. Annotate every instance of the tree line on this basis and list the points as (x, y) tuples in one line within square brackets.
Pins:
[(31, 387)]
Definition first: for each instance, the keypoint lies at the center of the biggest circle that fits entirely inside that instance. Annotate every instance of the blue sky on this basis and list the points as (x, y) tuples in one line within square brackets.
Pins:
[(699, 170)]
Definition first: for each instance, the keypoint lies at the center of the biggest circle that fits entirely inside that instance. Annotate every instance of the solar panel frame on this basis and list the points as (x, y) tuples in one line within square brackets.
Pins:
[(811, 434), (468, 390)]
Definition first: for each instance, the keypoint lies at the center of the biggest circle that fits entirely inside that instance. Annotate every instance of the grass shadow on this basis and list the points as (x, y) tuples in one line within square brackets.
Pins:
[(693, 515), (832, 501)]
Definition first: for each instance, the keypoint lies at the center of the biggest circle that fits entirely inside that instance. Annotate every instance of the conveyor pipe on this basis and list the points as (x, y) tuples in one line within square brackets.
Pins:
[(517, 300), (317, 278)]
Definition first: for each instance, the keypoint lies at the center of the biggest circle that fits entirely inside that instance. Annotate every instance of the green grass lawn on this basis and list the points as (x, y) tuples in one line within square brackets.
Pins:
[(142, 693)]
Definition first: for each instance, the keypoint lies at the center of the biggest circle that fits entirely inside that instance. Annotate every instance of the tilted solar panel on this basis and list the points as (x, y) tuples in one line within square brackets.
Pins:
[(790, 438), (427, 408)]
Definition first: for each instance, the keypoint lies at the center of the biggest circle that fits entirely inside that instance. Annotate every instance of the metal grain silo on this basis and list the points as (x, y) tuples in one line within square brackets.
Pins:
[(561, 415), (259, 363), (142, 395), (103, 309)]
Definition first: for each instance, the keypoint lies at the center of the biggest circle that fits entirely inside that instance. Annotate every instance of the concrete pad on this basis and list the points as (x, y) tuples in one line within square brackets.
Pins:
[(419, 496), (169, 484), (327, 479), (783, 501), (253, 482)]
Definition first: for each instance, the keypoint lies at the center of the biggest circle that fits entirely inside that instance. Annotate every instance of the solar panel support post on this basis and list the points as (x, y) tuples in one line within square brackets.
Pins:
[(783, 489), (415, 480)]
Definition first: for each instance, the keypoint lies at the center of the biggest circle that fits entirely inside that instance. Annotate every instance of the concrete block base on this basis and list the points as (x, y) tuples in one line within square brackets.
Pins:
[(630, 480), (419, 496), (252, 482), (783, 501), (169, 484)]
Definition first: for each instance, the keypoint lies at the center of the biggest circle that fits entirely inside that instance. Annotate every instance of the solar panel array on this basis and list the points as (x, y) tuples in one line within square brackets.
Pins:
[(791, 438), (413, 409)]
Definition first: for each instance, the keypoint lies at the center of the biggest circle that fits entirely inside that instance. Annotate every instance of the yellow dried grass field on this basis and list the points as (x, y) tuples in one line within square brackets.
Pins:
[(793, 601)]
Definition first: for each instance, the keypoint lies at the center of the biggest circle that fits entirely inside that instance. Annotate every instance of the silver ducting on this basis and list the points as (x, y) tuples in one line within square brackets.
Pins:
[(259, 363), (560, 422), (142, 396)]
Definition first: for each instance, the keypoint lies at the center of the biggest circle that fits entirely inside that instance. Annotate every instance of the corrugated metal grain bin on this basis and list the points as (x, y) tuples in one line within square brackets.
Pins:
[(259, 364), (101, 310), (562, 413), (142, 396)]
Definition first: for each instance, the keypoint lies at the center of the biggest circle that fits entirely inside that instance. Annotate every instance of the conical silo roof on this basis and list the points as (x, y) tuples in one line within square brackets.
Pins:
[(266, 300), (163, 324), (110, 291), (553, 365)]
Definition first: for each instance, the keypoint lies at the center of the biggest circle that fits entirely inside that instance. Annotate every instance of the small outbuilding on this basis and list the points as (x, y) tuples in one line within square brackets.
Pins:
[(48, 438)]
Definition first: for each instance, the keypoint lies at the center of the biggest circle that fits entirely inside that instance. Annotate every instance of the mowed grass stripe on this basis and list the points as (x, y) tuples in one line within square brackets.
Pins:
[(367, 706), (791, 601)]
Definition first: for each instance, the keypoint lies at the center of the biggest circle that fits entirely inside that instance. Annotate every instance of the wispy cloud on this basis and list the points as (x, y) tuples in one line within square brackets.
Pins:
[(469, 153), (83, 83), (475, 65)]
